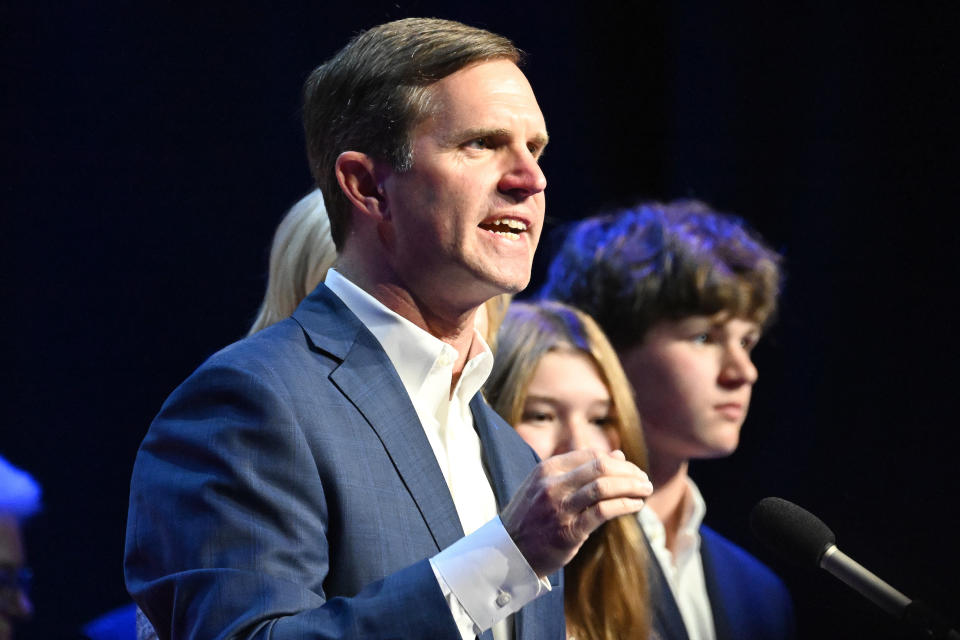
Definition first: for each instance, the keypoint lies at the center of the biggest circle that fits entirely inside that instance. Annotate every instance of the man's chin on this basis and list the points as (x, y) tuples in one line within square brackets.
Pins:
[(512, 283), (492, 285)]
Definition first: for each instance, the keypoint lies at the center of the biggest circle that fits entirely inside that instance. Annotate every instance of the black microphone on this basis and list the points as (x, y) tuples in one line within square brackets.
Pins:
[(801, 536)]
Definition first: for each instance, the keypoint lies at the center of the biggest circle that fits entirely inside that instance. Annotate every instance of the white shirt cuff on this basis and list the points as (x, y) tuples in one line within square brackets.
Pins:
[(488, 576)]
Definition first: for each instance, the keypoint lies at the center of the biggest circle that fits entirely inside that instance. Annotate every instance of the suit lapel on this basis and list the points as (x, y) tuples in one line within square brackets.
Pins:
[(508, 460), (505, 463), (667, 621), (368, 379), (714, 591)]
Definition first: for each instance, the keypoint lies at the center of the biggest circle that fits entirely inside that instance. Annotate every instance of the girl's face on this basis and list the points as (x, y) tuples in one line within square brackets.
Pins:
[(567, 407)]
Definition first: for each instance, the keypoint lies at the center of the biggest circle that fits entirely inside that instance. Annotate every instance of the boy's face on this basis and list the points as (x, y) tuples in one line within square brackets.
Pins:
[(693, 379)]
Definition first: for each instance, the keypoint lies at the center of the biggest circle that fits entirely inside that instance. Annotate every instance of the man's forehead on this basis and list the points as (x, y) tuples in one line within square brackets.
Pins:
[(493, 84)]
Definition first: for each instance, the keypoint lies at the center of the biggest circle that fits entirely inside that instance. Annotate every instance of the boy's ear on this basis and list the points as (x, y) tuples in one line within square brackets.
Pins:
[(356, 174)]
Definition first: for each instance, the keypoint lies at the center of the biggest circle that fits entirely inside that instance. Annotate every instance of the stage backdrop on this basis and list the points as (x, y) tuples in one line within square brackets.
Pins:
[(149, 149)]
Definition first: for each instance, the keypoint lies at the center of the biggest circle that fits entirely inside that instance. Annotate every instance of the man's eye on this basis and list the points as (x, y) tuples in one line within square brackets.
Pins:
[(478, 143)]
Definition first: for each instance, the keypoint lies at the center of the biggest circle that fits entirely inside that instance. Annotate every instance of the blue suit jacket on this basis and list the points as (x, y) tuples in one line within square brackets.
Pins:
[(287, 490), (748, 601)]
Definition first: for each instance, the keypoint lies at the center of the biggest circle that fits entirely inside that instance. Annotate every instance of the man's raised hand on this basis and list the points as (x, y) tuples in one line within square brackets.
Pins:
[(565, 498)]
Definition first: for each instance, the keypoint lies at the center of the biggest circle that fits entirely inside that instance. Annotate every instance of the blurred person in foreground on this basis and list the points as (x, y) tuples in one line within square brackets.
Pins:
[(337, 474), (684, 294), (558, 381), (19, 499)]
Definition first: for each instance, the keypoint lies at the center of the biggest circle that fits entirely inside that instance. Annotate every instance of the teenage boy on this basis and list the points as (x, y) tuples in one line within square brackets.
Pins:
[(684, 294)]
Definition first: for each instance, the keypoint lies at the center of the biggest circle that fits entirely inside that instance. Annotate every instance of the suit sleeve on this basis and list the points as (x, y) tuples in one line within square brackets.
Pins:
[(228, 520)]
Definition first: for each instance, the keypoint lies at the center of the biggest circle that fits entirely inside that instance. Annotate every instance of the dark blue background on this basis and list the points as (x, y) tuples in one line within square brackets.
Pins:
[(149, 149)]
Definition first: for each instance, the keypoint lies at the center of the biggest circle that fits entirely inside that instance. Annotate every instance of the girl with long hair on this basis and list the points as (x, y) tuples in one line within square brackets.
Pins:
[(558, 381)]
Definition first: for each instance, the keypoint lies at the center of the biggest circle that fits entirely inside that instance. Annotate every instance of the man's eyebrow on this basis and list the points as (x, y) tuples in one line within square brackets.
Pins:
[(482, 132), (540, 140)]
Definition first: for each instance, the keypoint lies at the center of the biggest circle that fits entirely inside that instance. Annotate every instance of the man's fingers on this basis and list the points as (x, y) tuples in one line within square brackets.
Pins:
[(601, 465), (600, 512), (602, 488), (566, 498), (607, 488), (566, 462)]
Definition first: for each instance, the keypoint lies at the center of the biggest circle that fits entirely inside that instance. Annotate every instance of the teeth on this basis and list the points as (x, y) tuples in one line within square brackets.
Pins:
[(506, 227), (508, 222), (513, 224)]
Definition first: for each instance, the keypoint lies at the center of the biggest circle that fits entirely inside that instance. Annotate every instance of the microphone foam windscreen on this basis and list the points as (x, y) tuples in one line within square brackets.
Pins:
[(791, 530)]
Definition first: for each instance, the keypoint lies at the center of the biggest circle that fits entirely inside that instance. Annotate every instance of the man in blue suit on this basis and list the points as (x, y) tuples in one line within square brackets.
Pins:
[(337, 475), (684, 292)]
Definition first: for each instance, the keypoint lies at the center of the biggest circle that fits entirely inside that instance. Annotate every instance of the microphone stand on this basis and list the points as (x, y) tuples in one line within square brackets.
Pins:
[(932, 623), (870, 586)]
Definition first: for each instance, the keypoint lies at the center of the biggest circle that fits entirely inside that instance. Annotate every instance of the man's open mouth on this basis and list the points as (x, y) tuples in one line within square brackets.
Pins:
[(506, 227)]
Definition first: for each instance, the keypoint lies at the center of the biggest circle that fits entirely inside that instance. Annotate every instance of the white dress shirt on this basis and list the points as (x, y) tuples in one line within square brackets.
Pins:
[(484, 576), (683, 570)]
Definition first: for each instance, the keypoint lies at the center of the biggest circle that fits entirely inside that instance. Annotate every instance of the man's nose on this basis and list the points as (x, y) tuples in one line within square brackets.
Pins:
[(524, 177)]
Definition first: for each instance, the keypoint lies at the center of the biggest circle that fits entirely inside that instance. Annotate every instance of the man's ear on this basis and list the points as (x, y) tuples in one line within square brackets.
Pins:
[(357, 177)]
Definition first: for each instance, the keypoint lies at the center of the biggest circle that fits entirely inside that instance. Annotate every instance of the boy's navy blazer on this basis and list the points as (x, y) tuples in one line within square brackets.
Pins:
[(748, 601), (287, 490)]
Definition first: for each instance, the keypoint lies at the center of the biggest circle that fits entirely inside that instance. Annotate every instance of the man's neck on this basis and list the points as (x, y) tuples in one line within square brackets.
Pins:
[(670, 495), (454, 326)]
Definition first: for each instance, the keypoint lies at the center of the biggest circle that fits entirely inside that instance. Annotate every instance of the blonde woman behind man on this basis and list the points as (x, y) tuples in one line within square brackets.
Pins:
[(300, 255)]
